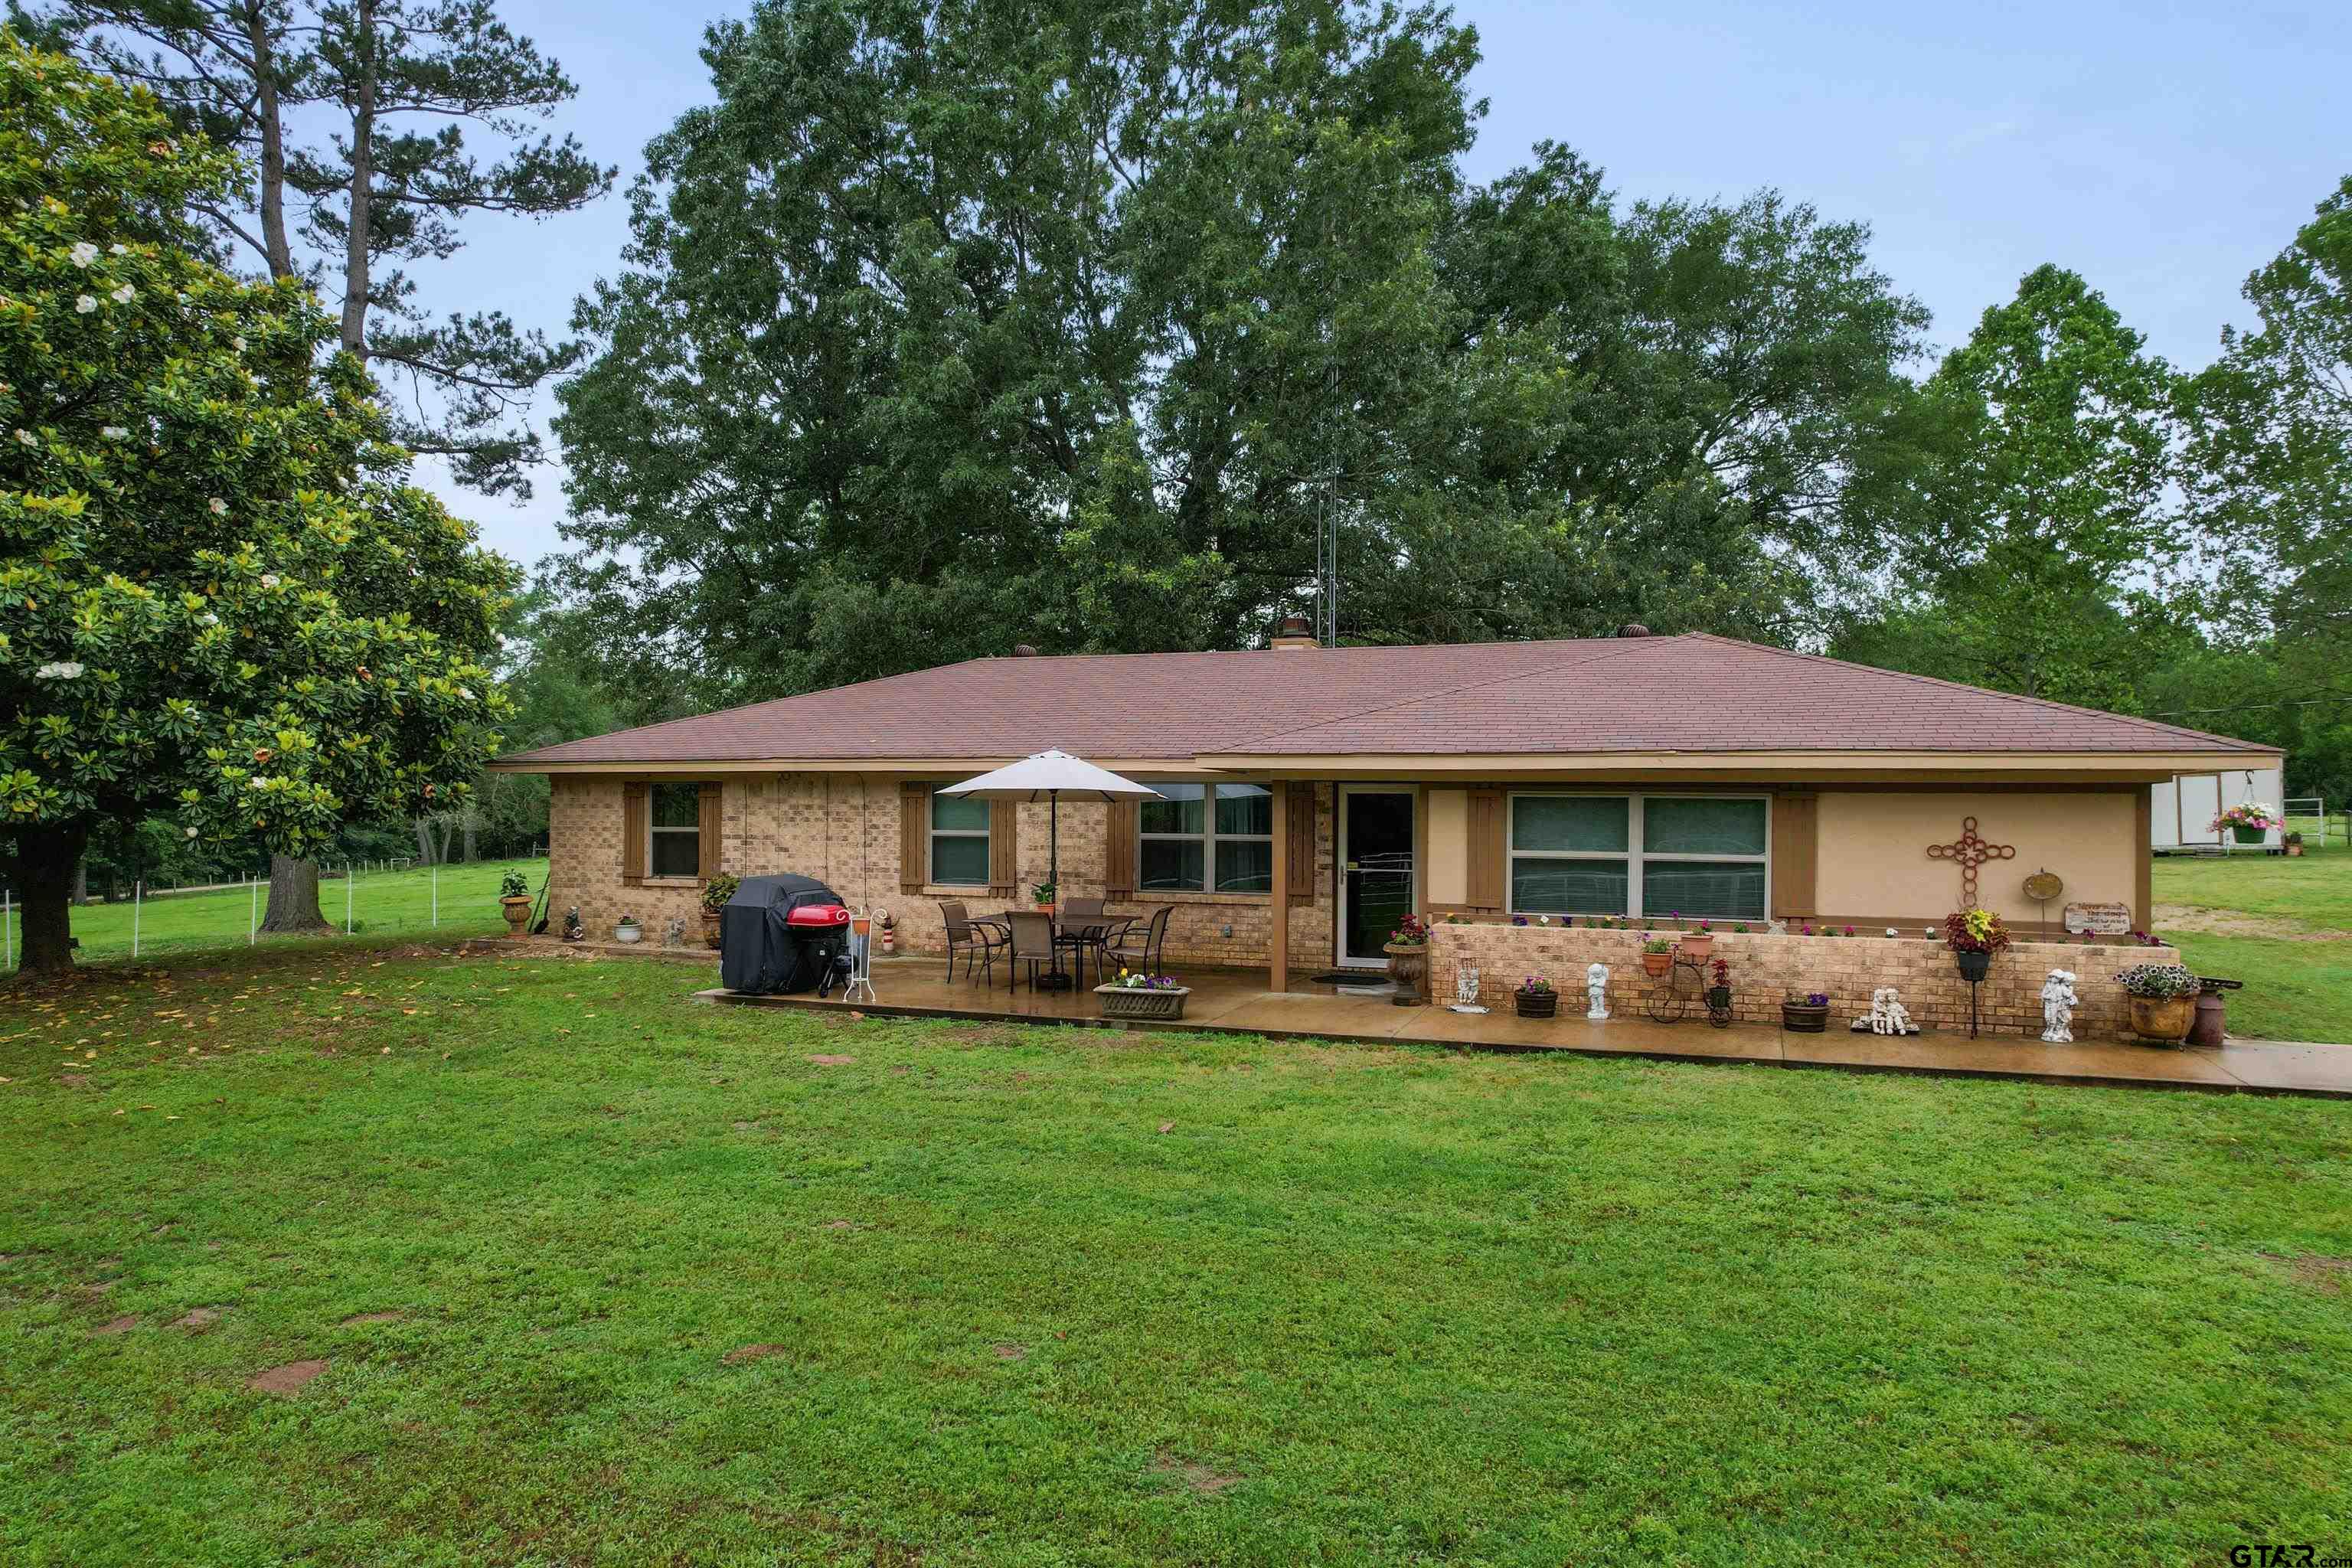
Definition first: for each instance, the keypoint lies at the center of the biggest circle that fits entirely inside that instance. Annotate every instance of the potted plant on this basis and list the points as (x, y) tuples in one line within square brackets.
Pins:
[(1809, 1016), (1042, 895), (1657, 955), (514, 902), (1975, 935), (2163, 999), (627, 929), (1134, 994), (1698, 943), (1718, 994), (715, 894), (1408, 951), (2292, 843), (2247, 821), (1534, 998)]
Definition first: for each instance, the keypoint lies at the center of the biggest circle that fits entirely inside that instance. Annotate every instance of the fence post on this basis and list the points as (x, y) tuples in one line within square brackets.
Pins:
[(436, 895), (136, 887), (7, 927), (252, 909), (350, 880)]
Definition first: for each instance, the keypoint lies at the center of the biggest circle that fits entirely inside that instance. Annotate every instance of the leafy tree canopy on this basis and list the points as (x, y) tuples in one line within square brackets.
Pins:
[(220, 597)]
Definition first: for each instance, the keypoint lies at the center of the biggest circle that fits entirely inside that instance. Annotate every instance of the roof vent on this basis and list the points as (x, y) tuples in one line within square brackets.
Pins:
[(1295, 633), (1025, 650), (1632, 629)]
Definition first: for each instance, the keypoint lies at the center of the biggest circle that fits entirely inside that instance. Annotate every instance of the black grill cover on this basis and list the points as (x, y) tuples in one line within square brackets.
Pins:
[(758, 955)]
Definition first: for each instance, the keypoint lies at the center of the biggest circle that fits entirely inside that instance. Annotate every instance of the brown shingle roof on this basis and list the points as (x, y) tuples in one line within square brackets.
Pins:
[(1692, 693)]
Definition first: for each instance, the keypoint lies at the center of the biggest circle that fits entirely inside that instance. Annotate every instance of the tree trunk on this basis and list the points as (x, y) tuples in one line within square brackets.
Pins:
[(355, 236), (425, 842), (469, 819), (44, 875), (293, 897), (271, 191), (81, 883)]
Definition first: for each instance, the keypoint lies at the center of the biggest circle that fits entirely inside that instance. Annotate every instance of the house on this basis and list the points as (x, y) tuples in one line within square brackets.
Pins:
[(1315, 796)]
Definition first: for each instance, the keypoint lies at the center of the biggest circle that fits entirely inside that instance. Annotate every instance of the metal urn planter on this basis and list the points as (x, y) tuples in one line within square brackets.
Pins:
[(1409, 968), (2163, 1020), (1143, 1004)]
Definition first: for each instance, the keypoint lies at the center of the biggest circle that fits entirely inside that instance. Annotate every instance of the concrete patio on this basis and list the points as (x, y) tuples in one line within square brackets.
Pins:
[(1237, 1002)]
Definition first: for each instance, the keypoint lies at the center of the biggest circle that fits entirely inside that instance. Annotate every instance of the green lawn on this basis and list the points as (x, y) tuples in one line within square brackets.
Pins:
[(2284, 927), (381, 904), (1058, 1297)]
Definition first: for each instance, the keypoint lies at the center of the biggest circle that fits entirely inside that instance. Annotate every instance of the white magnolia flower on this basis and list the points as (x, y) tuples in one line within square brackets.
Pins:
[(85, 303), (218, 507), (466, 692), (270, 579), (119, 249), (191, 833), (114, 432), (208, 619), (124, 295), (237, 343), (63, 669), (85, 252), (258, 780), (28, 438)]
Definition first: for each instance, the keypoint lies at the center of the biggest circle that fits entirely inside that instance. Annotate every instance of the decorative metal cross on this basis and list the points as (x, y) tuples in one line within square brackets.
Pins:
[(1971, 851)]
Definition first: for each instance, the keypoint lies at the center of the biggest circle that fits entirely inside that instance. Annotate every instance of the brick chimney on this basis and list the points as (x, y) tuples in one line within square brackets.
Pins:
[(1295, 633)]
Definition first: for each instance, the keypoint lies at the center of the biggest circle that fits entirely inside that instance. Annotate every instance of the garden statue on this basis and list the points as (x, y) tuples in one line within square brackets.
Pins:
[(1466, 987), (2058, 1007), (1596, 991), (674, 934), (572, 929), (1887, 1014)]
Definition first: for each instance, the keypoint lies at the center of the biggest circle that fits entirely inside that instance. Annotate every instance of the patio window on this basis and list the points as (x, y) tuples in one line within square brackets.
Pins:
[(959, 841), (1206, 839), (1645, 857), (675, 815)]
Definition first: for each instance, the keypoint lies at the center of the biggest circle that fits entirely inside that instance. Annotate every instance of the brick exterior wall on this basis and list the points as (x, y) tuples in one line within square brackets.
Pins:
[(1766, 970), (843, 828)]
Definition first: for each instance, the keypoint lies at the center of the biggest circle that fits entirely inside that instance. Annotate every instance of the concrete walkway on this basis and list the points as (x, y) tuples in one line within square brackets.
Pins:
[(1230, 1002)]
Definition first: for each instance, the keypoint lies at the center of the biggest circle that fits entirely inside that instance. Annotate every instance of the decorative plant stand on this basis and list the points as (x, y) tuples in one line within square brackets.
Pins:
[(1160, 1004), (1671, 998)]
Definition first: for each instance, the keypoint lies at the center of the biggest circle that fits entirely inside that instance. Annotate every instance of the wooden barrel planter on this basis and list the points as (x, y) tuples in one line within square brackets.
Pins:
[(1536, 1004), (1804, 1017)]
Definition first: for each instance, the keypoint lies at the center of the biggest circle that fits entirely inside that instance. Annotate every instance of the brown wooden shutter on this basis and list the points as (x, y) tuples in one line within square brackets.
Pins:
[(708, 826), (633, 833), (1484, 883), (1003, 848), (1298, 872), (1796, 854), (914, 834), (1120, 826)]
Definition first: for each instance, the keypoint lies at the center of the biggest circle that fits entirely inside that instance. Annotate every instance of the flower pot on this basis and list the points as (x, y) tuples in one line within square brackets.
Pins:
[(2248, 834), (1409, 967), (1975, 966), (1804, 1017), (1536, 1004), (517, 910), (1157, 1004), (1698, 944), (1654, 965), (1718, 998), (629, 934), (712, 921), (2292, 849), (2163, 1018)]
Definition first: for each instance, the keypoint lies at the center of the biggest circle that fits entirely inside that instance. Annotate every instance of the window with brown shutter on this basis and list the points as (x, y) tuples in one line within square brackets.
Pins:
[(633, 833), (914, 834), (1483, 885), (1003, 848), (1118, 850), (712, 825), (1796, 854)]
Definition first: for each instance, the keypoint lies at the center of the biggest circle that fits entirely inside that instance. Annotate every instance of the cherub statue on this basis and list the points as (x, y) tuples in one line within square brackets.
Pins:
[(1887, 1013), (1596, 992), (2058, 1007), (572, 930), (1465, 985)]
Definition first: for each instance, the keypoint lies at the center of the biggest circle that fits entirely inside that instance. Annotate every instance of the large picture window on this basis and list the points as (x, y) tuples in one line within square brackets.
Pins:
[(959, 841), (1206, 839), (1646, 857), (676, 815)]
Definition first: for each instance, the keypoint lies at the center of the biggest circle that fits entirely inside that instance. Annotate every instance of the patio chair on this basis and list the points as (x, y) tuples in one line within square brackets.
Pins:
[(1082, 930), (1144, 949), (1031, 943), (980, 940)]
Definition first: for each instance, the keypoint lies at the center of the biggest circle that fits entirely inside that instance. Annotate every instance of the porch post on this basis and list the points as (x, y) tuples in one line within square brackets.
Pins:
[(1277, 942)]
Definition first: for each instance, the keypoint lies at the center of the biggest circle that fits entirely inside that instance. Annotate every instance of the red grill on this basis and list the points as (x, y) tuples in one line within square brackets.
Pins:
[(819, 916)]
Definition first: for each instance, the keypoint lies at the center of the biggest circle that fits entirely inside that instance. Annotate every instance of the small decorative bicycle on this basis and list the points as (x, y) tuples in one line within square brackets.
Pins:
[(1672, 999)]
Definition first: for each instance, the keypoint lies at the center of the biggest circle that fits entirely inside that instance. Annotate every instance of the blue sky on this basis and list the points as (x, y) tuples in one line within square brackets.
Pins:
[(2161, 150)]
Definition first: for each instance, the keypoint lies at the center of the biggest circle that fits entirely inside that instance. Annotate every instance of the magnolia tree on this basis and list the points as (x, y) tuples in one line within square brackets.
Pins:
[(219, 596)]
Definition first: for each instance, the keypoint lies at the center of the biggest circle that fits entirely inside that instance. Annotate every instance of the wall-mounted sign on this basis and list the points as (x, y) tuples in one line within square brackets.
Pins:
[(2099, 920)]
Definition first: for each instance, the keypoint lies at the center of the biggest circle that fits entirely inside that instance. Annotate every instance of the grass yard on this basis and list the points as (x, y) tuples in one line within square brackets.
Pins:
[(2282, 926), (381, 904), (589, 1274)]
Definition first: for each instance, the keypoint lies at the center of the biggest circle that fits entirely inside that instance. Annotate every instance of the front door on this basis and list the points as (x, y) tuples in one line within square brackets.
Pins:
[(1377, 885)]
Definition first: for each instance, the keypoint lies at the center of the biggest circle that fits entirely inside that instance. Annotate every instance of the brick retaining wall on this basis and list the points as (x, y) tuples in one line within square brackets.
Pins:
[(1767, 970)]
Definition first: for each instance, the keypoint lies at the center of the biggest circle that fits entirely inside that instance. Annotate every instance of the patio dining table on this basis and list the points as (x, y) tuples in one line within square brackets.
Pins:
[(1075, 935)]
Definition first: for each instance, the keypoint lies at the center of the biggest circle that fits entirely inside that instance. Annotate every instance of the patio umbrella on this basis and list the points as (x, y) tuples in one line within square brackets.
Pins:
[(1052, 773)]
